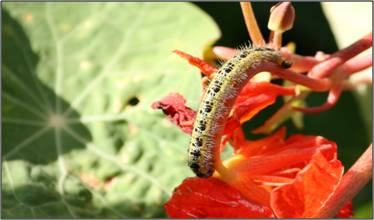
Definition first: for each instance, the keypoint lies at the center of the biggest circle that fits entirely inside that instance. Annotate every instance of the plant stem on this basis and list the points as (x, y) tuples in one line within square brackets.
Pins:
[(300, 63), (332, 98), (325, 68), (356, 64), (277, 40), (312, 83), (352, 183), (251, 23)]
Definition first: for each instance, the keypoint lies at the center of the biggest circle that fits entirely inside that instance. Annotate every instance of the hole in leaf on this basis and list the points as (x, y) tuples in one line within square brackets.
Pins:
[(133, 101)]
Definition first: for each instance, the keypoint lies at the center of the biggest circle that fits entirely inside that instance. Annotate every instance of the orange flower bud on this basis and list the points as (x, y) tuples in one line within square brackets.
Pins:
[(282, 16)]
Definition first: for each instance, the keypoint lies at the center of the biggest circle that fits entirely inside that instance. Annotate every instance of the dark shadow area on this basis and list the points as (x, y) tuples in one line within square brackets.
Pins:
[(29, 118), (46, 202), (310, 30), (29, 201)]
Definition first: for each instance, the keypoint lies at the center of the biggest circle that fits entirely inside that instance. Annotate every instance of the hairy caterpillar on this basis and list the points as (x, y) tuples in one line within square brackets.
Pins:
[(217, 102)]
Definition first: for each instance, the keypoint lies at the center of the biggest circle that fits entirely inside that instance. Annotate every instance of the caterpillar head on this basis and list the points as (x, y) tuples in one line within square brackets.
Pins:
[(286, 64), (283, 62), (275, 56), (204, 171)]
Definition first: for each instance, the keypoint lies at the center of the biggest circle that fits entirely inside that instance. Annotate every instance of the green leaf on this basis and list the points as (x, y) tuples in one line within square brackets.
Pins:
[(79, 136), (365, 211)]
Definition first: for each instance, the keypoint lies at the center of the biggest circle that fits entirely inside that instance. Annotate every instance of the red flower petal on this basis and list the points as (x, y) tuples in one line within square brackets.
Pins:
[(212, 198), (346, 211), (256, 96), (252, 148), (278, 160), (204, 67), (298, 141), (309, 191), (174, 106)]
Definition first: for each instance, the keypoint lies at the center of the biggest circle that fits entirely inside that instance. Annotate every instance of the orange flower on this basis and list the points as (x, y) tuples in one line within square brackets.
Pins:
[(272, 177)]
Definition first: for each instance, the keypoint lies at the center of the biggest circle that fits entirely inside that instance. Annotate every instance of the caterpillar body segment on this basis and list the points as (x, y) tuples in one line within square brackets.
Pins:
[(217, 103)]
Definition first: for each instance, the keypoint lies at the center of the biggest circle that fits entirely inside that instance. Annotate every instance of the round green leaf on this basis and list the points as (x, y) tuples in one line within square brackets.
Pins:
[(79, 136)]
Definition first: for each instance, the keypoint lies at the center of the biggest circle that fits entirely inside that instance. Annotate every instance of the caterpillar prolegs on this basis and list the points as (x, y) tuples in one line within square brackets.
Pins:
[(217, 103)]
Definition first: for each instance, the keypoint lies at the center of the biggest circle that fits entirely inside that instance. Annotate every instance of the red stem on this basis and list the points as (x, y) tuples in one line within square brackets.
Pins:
[(277, 40), (333, 97), (352, 183), (356, 64), (300, 64), (314, 84), (251, 23), (325, 68)]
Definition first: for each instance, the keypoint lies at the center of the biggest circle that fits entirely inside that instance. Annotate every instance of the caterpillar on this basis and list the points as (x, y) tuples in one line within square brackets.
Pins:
[(217, 102)]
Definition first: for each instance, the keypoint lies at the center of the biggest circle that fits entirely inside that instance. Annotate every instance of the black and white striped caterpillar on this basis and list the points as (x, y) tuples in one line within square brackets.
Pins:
[(217, 102)]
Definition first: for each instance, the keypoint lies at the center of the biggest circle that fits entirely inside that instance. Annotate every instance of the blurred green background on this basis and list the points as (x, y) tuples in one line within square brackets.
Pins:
[(78, 79)]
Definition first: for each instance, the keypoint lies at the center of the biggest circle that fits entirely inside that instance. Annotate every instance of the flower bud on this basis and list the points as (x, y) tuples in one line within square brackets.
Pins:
[(282, 16)]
